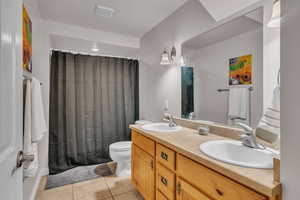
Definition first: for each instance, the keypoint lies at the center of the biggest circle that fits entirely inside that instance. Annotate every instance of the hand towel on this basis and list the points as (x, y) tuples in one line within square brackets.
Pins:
[(27, 141), (38, 119), (269, 125), (238, 103)]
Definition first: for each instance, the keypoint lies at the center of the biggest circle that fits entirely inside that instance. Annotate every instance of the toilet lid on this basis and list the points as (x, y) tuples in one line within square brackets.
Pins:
[(121, 146)]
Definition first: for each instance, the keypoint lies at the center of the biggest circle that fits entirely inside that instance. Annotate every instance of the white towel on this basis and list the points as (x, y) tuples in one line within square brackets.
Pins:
[(269, 125), (37, 110), (238, 103), (276, 99), (27, 144), (272, 113), (31, 168)]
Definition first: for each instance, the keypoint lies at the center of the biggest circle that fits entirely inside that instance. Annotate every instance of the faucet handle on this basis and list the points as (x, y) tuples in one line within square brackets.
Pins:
[(167, 116), (248, 130)]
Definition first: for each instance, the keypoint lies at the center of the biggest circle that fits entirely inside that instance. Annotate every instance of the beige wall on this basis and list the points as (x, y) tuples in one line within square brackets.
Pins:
[(159, 83)]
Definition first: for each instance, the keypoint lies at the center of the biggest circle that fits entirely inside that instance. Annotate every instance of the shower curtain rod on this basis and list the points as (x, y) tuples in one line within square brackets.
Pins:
[(91, 54)]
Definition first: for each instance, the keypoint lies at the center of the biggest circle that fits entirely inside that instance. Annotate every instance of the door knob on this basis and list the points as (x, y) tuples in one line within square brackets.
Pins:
[(21, 158)]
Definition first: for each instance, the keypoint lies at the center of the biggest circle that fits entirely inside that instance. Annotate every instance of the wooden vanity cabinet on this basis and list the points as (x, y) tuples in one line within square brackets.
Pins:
[(165, 156), (165, 181), (186, 191), (212, 183), (161, 173), (143, 166)]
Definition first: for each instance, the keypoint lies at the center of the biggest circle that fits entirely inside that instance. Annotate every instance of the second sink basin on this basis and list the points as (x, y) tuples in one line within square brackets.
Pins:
[(234, 152), (161, 127)]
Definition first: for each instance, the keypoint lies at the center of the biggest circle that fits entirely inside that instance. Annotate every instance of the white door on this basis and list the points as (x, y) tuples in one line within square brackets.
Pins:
[(10, 98)]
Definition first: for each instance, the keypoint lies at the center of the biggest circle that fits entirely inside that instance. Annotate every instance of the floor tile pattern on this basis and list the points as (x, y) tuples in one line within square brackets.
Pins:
[(107, 188)]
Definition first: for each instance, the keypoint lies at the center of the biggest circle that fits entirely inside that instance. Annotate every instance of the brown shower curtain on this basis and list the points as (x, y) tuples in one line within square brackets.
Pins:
[(93, 99)]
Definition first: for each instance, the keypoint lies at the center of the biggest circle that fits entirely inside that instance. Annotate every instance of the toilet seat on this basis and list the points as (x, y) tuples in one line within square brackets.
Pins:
[(120, 146)]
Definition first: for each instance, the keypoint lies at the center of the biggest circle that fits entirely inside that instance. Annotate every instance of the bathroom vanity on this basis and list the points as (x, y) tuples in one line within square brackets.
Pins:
[(170, 165)]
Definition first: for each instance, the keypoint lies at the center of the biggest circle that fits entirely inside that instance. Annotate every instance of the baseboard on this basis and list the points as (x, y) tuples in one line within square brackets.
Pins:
[(42, 172)]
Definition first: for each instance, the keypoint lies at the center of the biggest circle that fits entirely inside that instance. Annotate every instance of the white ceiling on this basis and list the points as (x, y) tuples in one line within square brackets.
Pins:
[(257, 15), (231, 29), (131, 17), (219, 9)]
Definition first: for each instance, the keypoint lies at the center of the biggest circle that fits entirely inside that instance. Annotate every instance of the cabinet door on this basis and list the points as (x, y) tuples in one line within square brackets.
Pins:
[(185, 191), (143, 173)]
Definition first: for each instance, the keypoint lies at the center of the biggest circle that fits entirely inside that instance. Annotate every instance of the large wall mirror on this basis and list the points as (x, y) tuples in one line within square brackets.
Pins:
[(223, 81)]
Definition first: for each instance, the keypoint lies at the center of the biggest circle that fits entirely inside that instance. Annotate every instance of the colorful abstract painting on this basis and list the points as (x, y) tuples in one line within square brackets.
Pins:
[(27, 41), (240, 70)]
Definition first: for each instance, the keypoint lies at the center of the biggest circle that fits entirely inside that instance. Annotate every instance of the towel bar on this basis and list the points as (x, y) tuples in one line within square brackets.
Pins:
[(227, 90), (26, 77), (249, 112)]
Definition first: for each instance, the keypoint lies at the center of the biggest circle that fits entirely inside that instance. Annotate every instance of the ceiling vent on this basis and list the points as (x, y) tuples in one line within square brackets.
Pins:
[(104, 11)]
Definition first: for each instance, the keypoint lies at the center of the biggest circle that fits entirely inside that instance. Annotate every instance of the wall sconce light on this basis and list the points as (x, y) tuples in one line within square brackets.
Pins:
[(165, 58), (173, 55), (276, 15), (182, 61)]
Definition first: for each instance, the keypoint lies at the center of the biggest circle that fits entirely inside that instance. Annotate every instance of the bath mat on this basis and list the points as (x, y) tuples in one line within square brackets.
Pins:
[(79, 174), (103, 170)]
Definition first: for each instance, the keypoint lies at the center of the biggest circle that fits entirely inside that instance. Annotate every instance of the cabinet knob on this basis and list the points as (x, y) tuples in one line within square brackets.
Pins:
[(164, 180), (164, 156), (219, 192), (178, 188), (152, 164)]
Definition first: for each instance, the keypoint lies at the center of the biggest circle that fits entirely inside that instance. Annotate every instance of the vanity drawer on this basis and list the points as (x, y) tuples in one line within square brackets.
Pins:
[(160, 196), (165, 181), (143, 142), (212, 183), (165, 156)]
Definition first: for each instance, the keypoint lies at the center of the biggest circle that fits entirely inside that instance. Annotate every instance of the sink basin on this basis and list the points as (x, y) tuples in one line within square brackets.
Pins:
[(161, 127), (234, 152)]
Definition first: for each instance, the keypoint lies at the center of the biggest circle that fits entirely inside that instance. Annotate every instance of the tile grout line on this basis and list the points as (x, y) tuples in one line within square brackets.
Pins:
[(109, 188), (73, 196)]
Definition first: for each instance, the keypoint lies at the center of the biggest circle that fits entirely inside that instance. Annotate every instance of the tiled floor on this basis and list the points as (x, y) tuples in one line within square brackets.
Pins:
[(107, 188)]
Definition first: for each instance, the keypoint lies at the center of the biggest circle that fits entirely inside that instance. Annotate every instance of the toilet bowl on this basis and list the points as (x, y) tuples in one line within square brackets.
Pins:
[(120, 152)]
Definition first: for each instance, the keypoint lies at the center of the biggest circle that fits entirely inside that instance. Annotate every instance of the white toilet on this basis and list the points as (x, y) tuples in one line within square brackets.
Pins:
[(120, 152)]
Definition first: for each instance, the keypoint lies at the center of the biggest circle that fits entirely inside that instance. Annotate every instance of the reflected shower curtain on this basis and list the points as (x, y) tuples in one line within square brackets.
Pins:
[(93, 99)]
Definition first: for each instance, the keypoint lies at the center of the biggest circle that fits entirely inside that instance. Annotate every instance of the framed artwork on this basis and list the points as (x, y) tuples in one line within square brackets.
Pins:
[(27, 41), (240, 70)]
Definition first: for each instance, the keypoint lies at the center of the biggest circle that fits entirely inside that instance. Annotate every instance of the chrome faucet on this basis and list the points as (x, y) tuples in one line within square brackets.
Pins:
[(249, 138), (172, 122), (191, 116)]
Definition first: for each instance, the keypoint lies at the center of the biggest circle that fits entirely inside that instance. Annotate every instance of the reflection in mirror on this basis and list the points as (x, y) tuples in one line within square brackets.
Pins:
[(187, 92), (228, 72)]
